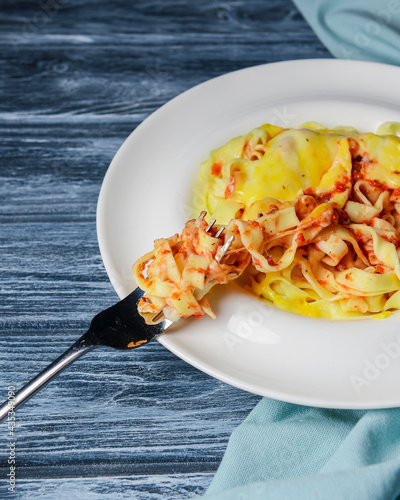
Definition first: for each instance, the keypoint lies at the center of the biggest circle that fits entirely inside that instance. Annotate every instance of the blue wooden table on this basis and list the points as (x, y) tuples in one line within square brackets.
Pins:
[(76, 78)]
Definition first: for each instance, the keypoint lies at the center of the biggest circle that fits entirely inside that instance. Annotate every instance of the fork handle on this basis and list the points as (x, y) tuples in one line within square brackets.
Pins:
[(81, 347)]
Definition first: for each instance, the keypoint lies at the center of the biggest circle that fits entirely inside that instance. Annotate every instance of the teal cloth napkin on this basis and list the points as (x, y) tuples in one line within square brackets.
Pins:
[(367, 30), (286, 451)]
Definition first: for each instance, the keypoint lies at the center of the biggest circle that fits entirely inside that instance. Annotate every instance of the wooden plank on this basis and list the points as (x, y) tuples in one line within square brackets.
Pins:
[(143, 487)]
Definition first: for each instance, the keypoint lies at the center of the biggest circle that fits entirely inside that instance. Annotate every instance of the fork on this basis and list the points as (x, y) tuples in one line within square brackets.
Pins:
[(119, 327)]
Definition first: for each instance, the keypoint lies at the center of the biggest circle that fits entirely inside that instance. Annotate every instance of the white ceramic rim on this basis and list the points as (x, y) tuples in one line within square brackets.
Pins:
[(347, 364)]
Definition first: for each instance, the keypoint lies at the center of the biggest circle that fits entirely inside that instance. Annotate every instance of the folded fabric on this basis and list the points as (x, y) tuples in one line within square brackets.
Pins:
[(357, 29), (286, 451)]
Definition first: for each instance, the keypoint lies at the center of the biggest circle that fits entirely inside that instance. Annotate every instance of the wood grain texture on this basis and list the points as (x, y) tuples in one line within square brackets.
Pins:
[(77, 77)]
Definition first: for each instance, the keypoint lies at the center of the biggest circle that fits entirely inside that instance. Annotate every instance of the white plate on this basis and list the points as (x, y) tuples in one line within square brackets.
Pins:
[(147, 193)]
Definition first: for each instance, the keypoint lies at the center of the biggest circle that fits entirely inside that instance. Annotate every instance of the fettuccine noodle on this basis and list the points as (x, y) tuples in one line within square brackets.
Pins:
[(315, 215), (181, 270)]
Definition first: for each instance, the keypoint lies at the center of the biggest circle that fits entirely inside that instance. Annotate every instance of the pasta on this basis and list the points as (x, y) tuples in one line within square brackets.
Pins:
[(315, 215), (181, 270)]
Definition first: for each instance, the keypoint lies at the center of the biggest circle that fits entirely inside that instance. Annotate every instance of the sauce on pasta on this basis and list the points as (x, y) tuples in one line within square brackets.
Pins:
[(315, 215), (339, 270)]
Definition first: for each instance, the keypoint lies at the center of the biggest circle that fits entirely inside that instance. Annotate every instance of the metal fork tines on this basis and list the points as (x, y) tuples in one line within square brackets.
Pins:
[(118, 327)]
